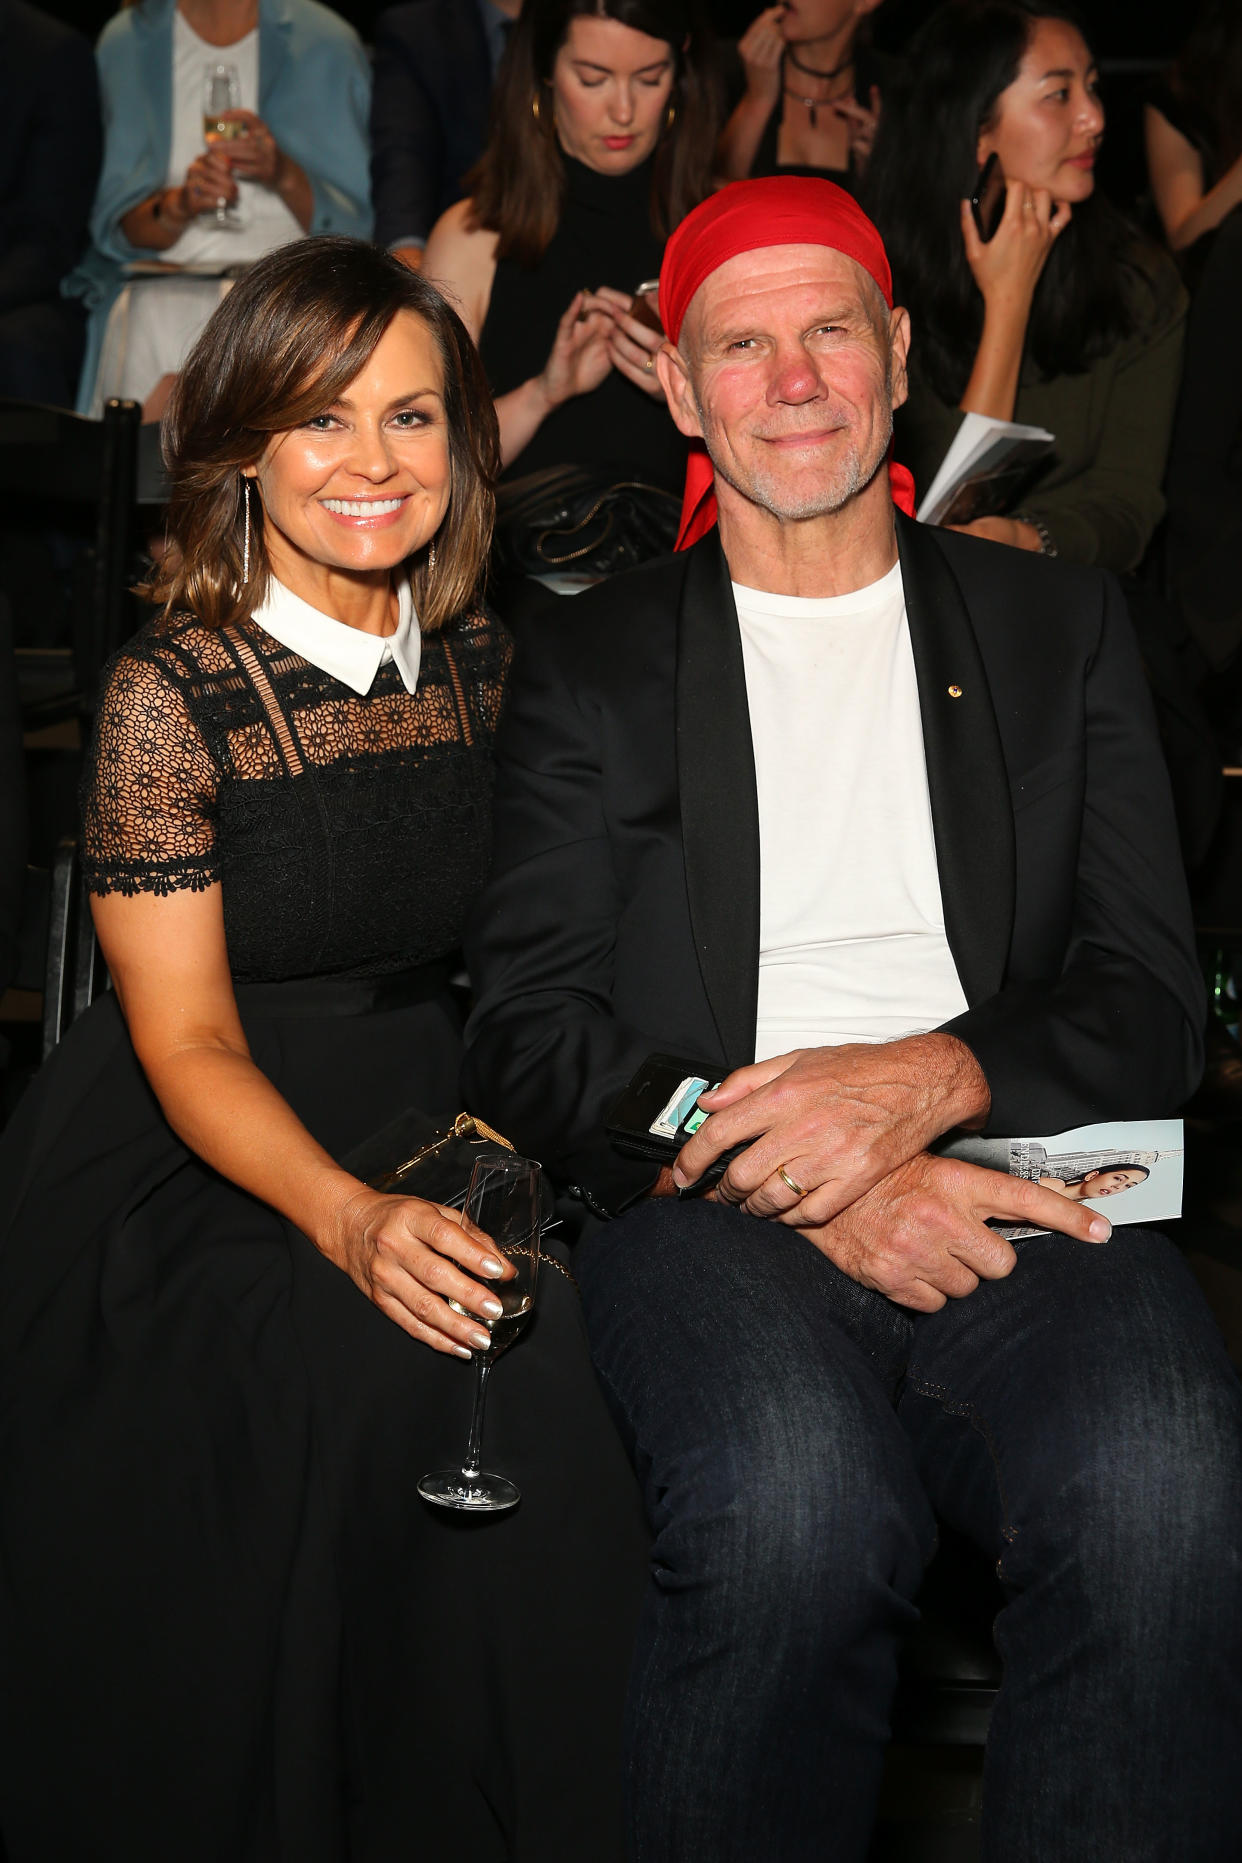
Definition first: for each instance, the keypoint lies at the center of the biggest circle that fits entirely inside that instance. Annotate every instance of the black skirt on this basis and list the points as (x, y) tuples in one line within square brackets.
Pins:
[(229, 1628)]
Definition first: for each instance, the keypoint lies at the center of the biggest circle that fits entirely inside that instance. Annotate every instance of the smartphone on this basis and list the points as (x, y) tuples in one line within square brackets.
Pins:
[(645, 308), (987, 203), (658, 1111)]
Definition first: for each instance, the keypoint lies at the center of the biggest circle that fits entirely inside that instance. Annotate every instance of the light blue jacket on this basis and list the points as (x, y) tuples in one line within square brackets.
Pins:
[(314, 96)]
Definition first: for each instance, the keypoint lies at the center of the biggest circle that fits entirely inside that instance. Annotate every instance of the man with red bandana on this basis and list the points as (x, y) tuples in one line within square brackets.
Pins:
[(871, 818)]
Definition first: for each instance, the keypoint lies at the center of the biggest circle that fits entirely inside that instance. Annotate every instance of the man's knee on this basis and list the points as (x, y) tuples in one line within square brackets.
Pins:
[(765, 1439), (1146, 1521), (791, 1494)]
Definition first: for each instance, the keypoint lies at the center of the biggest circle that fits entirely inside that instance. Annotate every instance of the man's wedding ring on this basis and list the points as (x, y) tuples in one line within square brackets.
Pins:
[(789, 1183)]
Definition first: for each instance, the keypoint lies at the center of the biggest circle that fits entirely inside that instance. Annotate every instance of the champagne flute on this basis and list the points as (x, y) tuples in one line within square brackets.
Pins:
[(221, 93), (505, 1201)]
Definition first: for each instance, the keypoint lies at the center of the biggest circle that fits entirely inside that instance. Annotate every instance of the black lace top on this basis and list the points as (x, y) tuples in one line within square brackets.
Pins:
[(348, 834)]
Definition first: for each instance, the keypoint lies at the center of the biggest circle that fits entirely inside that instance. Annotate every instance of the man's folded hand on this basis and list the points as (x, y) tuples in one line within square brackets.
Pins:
[(833, 1120), (920, 1236)]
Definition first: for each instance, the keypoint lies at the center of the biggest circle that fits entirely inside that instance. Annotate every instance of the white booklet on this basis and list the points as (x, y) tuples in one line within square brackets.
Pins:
[(984, 469), (1130, 1170)]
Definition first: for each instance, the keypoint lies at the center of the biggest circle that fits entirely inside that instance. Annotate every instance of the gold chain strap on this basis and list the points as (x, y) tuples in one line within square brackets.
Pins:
[(562, 1269)]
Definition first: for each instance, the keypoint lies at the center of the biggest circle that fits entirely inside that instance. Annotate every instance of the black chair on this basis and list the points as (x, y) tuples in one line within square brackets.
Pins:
[(950, 1671), (51, 460), (74, 970)]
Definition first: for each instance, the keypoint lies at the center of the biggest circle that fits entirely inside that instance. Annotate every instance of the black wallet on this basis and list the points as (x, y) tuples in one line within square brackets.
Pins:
[(654, 1115)]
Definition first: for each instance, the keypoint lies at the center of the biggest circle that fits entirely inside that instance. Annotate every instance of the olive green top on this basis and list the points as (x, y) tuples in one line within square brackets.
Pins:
[(1100, 499)]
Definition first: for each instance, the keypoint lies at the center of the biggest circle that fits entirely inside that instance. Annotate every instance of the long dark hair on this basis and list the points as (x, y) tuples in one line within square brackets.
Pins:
[(1207, 78), (924, 165), (518, 187), (282, 347)]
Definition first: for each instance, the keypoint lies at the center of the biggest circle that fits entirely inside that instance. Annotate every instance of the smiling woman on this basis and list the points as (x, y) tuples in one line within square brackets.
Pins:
[(305, 388), (225, 1608)]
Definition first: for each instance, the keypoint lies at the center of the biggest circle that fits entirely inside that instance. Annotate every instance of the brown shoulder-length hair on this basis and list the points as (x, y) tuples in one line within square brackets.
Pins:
[(282, 347), (518, 187)]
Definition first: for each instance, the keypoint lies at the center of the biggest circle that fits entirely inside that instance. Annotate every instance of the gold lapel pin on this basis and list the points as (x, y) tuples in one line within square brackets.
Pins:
[(955, 692)]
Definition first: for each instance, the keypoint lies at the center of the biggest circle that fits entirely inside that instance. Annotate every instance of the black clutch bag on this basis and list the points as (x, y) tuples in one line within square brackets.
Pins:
[(435, 1162), (583, 520)]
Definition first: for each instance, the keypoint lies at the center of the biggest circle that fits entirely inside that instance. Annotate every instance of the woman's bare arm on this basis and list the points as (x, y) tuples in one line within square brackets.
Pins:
[(1176, 170), (461, 258), (169, 966), (1007, 269), (761, 50)]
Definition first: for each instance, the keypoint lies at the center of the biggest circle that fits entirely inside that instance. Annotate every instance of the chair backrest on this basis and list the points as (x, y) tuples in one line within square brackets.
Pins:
[(74, 972), (47, 453)]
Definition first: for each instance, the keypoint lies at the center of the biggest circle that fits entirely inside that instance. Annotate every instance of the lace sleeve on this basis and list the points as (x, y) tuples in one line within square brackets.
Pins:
[(149, 790)]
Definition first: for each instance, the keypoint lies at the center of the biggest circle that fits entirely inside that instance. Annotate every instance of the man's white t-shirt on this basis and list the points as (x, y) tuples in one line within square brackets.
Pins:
[(852, 944)]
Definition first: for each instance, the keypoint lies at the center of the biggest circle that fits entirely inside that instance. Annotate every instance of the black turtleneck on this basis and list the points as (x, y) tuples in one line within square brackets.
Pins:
[(605, 237)]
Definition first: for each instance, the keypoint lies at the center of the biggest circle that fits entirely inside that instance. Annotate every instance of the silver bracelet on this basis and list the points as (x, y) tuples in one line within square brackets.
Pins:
[(1046, 545)]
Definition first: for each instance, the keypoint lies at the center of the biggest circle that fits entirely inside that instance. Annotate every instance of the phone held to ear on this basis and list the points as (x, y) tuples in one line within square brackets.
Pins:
[(987, 203)]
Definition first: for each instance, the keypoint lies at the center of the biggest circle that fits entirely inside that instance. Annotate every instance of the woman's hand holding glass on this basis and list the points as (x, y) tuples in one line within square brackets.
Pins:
[(1008, 266), (408, 1257), (209, 185), (255, 154)]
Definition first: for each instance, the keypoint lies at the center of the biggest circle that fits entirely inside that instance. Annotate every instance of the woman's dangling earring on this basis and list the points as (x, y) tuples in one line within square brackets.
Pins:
[(431, 558), (534, 106), (671, 118), (246, 534)]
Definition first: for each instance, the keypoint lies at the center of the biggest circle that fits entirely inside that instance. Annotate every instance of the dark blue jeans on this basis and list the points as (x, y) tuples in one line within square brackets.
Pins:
[(794, 1433)]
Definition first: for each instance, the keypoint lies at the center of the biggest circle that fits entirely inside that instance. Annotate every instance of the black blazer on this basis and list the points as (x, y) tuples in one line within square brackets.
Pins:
[(51, 145), (433, 81), (622, 913)]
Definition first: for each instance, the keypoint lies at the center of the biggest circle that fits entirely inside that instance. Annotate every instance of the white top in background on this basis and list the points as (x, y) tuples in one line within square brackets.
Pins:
[(851, 934), (266, 222)]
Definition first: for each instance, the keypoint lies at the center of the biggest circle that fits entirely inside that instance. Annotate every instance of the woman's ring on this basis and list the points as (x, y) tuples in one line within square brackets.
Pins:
[(785, 1178), (649, 365)]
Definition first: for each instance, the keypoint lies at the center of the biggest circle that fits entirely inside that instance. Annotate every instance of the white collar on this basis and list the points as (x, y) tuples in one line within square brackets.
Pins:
[(341, 651)]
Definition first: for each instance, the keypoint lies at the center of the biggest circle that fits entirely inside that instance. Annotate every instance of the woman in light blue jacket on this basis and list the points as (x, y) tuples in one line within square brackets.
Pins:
[(299, 164)]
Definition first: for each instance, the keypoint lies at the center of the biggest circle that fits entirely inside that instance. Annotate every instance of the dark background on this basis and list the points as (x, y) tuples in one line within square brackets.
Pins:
[(1119, 29)]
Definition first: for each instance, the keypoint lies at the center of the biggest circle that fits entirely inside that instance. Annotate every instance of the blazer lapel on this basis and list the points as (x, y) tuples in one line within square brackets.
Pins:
[(719, 805), (972, 817)]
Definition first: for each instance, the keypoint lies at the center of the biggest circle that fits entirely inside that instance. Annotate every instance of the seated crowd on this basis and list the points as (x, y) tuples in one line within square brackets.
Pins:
[(866, 823)]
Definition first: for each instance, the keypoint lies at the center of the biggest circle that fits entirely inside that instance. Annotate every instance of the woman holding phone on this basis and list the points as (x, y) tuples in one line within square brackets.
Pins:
[(1031, 299), (603, 121)]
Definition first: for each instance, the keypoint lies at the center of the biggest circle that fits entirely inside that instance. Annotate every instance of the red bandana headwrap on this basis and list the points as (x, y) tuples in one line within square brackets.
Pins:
[(747, 215)]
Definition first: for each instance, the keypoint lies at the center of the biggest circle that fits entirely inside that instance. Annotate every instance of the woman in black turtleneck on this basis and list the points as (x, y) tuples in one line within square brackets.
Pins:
[(602, 131)]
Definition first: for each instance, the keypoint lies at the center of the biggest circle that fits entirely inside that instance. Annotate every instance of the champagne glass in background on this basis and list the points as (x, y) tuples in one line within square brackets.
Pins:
[(505, 1201), (222, 92)]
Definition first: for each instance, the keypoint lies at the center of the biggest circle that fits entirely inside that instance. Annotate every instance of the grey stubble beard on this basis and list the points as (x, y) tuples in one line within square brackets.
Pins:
[(820, 504)]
